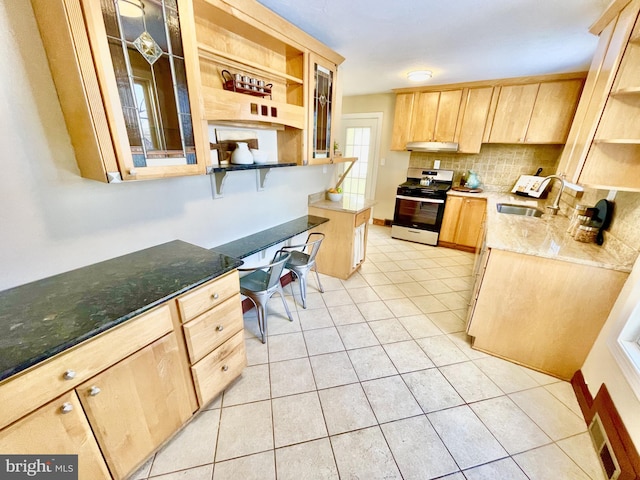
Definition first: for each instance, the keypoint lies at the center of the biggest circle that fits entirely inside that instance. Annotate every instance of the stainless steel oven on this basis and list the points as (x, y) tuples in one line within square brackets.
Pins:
[(420, 204)]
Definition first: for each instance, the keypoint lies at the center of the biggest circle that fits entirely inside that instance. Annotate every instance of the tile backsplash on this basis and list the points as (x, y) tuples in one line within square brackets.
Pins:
[(497, 165)]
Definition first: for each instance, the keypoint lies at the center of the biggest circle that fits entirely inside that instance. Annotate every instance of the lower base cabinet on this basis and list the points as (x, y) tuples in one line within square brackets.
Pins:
[(58, 428), (462, 222), (529, 309), (344, 247), (137, 404)]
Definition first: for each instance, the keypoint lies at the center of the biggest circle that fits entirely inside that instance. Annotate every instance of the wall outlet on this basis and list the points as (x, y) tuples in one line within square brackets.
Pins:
[(324, 169), (382, 160), (436, 164)]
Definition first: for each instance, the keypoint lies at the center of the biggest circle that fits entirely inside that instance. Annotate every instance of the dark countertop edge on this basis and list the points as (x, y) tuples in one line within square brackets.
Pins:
[(259, 246), (253, 166), (46, 355)]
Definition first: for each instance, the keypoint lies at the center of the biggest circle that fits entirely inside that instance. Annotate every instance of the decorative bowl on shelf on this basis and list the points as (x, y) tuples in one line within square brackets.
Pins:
[(334, 197)]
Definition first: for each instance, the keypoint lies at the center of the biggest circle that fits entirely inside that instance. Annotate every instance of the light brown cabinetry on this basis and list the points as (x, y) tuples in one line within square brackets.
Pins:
[(344, 247), (57, 428), (474, 109), (128, 113), (535, 113), (321, 111), (462, 222), (213, 331), (603, 146), (137, 404), (529, 308), (426, 117)]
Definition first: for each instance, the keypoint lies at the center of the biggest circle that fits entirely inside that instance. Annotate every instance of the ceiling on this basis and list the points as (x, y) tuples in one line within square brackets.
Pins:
[(458, 40)]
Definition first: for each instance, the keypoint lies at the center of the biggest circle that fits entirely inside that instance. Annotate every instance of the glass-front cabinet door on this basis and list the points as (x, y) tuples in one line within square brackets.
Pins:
[(322, 93), (137, 67)]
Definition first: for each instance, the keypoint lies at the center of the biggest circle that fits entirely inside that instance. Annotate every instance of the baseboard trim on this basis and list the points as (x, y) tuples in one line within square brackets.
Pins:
[(619, 437)]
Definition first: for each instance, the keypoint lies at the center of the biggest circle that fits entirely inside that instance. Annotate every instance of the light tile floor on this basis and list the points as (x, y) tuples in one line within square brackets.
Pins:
[(376, 380)]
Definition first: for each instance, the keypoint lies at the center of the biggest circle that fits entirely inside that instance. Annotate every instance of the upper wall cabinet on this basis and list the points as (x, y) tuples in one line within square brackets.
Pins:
[(604, 143), (321, 111), (536, 112), (127, 83)]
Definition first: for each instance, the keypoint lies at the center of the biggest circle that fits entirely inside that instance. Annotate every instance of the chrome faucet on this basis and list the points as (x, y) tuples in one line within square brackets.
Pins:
[(556, 203)]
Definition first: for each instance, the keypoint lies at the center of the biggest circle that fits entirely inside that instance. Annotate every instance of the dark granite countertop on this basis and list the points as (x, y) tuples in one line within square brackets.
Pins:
[(45, 317), (245, 246)]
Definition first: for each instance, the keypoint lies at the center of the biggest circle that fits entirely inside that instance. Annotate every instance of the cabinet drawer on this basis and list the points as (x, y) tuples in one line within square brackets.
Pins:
[(35, 387), (208, 296), (362, 217), (218, 369), (212, 328)]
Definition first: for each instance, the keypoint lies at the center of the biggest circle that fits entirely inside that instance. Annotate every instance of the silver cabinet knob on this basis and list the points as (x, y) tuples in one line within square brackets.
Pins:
[(219, 328), (93, 391), (69, 375), (66, 407), (225, 368), (215, 296)]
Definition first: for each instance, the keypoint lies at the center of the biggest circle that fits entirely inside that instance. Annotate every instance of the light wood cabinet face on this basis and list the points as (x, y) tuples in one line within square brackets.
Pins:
[(48, 430), (514, 109), (553, 111), (141, 402), (423, 120), (462, 222), (322, 96), (402, 121), (475, 106), (119, 128), (534, 322), (447, 118)]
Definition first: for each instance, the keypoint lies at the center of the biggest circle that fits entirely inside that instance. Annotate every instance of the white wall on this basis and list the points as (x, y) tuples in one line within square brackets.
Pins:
[(52, 220), (601, 367)]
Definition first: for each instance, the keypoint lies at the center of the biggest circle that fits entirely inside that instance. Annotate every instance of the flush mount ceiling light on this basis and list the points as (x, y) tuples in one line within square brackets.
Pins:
[(419, 75)]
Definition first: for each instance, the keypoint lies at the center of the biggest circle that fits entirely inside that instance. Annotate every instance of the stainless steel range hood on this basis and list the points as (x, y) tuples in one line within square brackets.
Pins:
[(432, 147)]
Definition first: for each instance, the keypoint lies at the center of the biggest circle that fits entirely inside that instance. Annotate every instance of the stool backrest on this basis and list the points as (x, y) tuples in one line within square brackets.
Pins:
[(314, 240), (276, 266)]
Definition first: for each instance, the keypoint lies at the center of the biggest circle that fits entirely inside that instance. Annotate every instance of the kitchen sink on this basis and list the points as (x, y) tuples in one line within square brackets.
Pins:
[(519, 210)]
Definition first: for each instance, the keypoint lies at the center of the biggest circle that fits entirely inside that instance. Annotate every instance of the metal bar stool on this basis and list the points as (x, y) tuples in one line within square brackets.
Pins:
[(261, 284), (302, 261)]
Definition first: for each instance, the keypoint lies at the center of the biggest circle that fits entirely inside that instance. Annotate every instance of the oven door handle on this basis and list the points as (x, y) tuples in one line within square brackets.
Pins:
[(419, 199)]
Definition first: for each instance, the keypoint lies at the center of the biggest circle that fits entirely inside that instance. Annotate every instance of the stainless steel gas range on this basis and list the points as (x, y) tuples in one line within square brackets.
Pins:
[(420, 205)]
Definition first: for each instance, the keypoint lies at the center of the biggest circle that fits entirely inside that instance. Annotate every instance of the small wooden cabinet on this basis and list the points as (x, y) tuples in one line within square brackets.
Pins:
[(136, 405), (321, 111), (535, 113), (402, 121), (476, 103), (213, 329), (344, 247), (57, 428), (604, 142), (528, 309), (462, 222)]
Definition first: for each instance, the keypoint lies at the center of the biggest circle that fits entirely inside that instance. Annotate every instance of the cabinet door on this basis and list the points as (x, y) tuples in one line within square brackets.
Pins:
[(452, 210), (515, 105), (470, 222), (57, 428), (423, 120), (137, 404), (476, 103), (134, 120), (447, 117), (553, 111), (402, 121), (321, 106)]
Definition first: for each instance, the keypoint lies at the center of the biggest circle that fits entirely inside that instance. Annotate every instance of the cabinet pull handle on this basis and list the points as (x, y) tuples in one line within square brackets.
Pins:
[(66, 407), (215, 296), (219, 328), (225, 368), (93, 391), (69, 375)]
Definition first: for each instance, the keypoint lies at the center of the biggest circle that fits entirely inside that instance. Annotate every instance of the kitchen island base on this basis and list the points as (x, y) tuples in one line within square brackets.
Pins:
[(551, 316)]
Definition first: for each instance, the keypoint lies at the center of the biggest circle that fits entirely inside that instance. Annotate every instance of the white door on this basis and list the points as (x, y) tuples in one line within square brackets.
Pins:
[(360, 137)]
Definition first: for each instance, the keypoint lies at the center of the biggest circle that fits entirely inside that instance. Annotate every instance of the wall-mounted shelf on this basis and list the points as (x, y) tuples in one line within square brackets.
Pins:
[(218, 175)]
